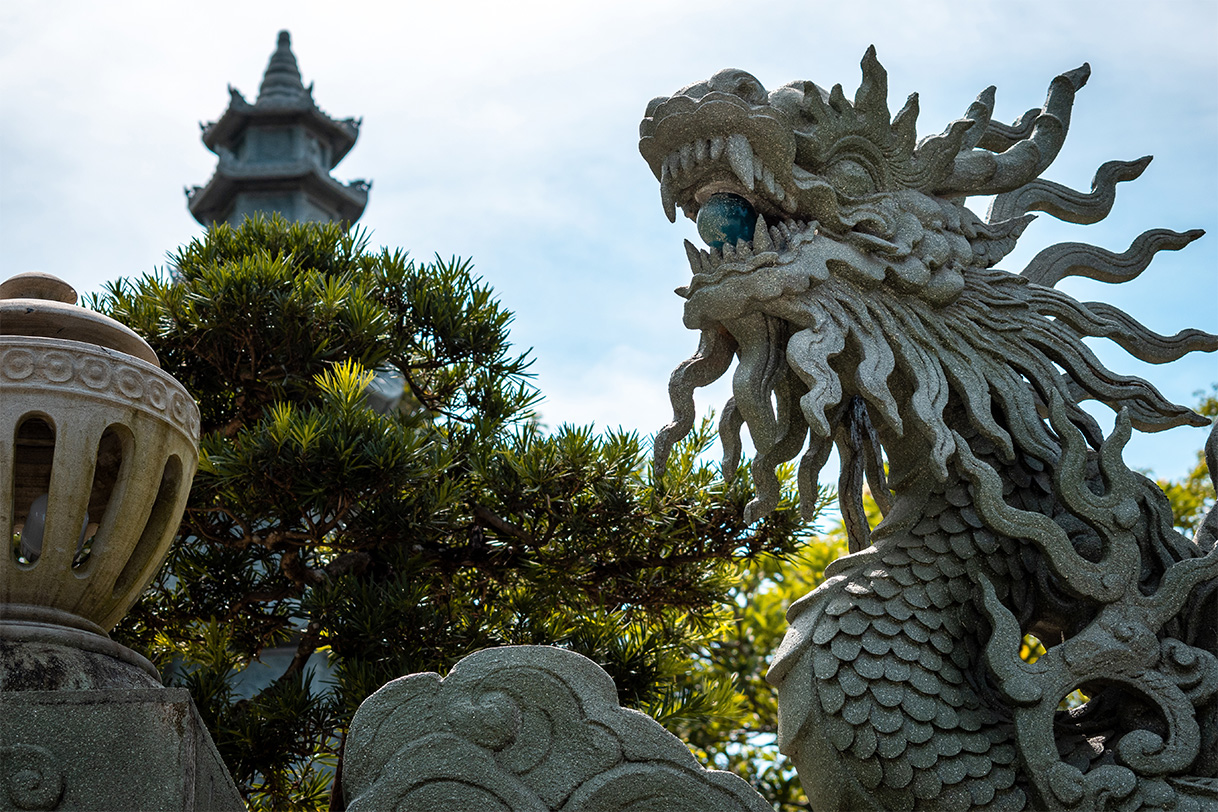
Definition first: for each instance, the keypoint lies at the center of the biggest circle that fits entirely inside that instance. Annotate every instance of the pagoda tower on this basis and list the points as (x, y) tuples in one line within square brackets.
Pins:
[(277, 153)]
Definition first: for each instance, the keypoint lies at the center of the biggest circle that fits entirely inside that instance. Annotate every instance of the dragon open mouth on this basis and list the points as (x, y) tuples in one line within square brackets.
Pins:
[(764, 245), (743, 213), (699, 169)]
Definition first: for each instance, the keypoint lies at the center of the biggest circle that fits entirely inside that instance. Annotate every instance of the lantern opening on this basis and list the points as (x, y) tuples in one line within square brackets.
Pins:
[(34, 451)]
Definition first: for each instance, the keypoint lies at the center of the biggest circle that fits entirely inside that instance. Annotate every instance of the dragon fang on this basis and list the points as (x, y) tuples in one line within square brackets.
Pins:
[(866, 312)]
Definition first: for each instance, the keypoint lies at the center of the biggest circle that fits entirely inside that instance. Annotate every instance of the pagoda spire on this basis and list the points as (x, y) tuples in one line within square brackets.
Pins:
[(282, 77), (275, 155)]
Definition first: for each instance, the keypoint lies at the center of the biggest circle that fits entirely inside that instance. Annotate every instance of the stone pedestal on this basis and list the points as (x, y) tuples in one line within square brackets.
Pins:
[(109, 749)]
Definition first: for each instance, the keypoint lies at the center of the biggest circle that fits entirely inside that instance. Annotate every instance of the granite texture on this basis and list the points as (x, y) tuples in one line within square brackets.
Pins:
[(523, 729), (109, 750), (867, 314)]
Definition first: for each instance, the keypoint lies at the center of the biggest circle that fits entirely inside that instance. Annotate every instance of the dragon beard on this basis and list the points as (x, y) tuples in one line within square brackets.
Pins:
[(858, 338)]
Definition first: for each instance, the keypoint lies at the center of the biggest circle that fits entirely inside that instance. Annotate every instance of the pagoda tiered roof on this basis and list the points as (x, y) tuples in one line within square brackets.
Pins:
[(281, 144)]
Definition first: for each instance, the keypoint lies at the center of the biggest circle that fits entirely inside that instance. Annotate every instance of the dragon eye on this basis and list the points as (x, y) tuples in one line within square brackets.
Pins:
[(850, 176), (726, 218)]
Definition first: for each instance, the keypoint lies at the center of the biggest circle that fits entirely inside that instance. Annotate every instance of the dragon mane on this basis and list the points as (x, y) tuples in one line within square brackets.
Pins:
[(938, 334)]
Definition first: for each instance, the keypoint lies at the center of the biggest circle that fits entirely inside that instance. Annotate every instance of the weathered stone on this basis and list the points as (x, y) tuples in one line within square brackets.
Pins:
[(523, 729), (952, 388), (98, 447), (90, 664), (111, 750)]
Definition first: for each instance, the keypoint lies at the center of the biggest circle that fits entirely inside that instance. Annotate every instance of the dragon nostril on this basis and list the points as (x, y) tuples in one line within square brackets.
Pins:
[(726, 218), (739, 83)]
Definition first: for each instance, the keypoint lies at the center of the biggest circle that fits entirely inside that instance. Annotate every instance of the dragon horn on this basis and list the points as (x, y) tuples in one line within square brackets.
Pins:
[(979, 112), (871, 99), (981, 172)]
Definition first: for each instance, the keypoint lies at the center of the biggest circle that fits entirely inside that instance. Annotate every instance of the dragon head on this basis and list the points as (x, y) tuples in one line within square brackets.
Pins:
[(775, 172), (859, 294)]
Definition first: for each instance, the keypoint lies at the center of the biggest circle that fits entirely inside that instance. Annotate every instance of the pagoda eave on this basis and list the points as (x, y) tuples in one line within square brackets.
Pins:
[(240, 115), (212, 202)]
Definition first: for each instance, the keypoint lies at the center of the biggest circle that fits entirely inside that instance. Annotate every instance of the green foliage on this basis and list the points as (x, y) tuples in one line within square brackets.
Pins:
[(1192, 495), (745, 741), (400, 542)]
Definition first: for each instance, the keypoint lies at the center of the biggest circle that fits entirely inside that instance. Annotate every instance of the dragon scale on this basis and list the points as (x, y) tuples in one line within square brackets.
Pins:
[(864, 309)]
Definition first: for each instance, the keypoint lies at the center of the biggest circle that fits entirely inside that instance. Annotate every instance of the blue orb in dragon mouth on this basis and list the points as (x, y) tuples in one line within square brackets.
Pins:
[(726, 218)]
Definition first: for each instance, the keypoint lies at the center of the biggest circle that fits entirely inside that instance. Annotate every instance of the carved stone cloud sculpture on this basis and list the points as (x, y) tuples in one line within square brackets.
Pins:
[(523, 729)]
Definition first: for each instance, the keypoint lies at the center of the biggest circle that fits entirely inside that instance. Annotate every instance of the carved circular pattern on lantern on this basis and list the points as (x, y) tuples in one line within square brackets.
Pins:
[(43, 363), (31, 776)]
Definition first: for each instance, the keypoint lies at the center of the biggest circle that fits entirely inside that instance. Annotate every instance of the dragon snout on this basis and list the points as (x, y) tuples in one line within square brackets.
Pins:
[(739, 83), (653, 105)]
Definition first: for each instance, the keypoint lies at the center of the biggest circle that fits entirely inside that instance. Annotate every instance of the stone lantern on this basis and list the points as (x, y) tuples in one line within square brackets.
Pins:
[(98, 448)]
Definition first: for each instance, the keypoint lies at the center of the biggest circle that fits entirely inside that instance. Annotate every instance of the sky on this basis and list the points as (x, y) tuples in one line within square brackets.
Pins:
[(507, 132)]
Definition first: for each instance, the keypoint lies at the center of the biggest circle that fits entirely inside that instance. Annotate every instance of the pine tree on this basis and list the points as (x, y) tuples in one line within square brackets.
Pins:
[(398, 541)]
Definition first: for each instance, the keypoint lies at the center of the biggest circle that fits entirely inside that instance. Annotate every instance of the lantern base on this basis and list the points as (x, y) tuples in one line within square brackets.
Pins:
[(47, 650)]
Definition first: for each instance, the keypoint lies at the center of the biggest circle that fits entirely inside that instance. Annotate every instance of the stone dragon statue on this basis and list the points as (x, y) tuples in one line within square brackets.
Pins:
[(861, 301)]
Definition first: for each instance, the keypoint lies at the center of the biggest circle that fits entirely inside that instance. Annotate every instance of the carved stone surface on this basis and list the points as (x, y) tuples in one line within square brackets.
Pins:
[(865, 311), (98, 448), (41, 366), (523, 729), (84, 391), (111, 750)]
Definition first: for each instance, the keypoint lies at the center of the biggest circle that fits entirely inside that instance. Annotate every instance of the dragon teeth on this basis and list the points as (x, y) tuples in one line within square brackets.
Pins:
[(668, 196), (695, 258), (744, 163), (767, 180), (687, 157), (740, 158), (761, 236)]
